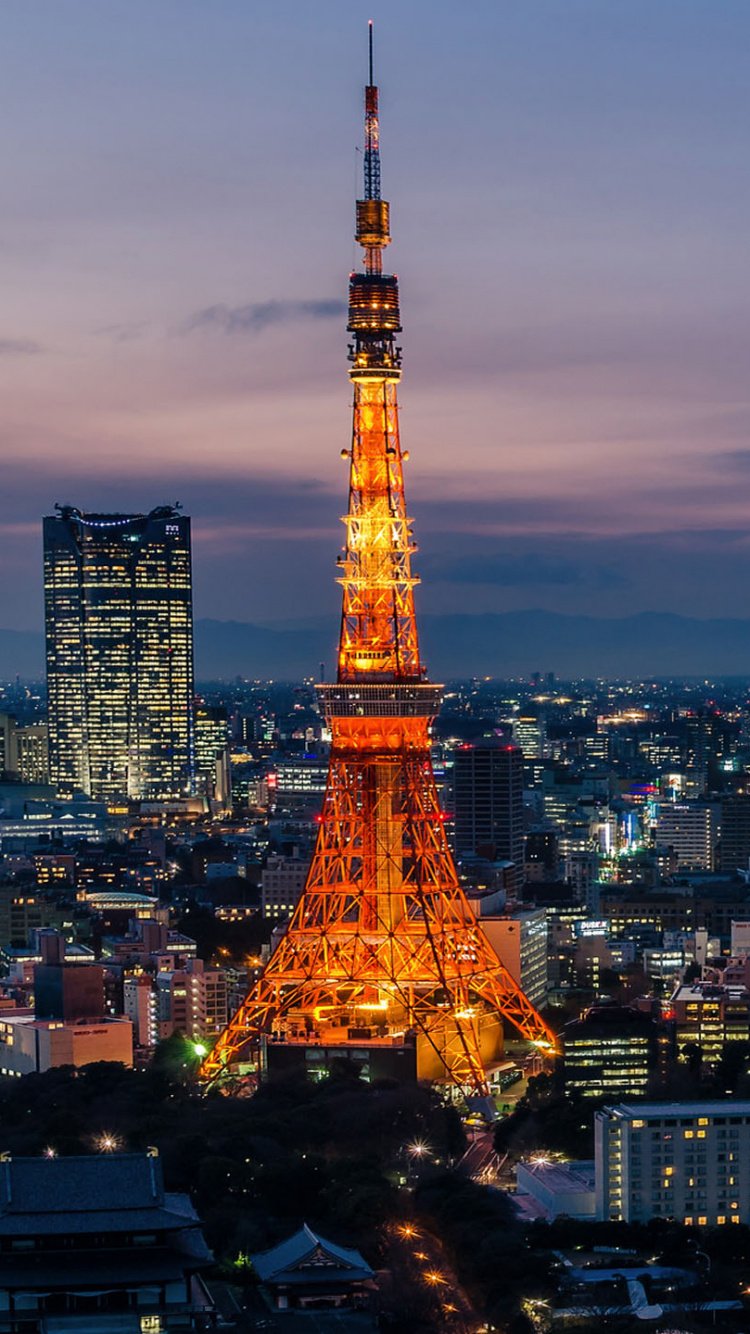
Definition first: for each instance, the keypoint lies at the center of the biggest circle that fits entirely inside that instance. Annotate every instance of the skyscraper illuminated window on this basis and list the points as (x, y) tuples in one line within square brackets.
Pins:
[(119, 623)]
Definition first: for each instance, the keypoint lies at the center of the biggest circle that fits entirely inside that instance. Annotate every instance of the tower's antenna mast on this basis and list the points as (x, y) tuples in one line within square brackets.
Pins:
[(372, 135)]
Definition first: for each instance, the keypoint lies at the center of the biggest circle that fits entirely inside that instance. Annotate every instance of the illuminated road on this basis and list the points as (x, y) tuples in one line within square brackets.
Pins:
[(480, 1162), (418, 1259)]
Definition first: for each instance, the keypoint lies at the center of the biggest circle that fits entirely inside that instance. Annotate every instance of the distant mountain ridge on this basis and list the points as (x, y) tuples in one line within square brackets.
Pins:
[(513, 643)]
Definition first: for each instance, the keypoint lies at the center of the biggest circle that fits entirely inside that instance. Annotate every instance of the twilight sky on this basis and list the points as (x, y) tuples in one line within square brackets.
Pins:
[(570, 192)]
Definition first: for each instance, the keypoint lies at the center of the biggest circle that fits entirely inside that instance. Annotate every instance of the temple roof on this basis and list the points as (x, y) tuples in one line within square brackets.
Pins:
[(306, 1256), (119, 1192)]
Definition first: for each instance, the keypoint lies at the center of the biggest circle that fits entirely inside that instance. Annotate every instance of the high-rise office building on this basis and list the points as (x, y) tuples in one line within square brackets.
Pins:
[(212, 765), (735, 833), (530, 733), (706, 742), (119, 622), (692, 832), (488, 796), (614, 1050)]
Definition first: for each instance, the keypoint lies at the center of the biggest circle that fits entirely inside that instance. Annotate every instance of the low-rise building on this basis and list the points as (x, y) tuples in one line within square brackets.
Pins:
[(308, 1272), (548, 1190), (31, 1046)]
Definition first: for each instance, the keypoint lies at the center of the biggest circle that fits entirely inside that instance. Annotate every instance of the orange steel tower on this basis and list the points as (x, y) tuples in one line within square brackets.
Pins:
[(383, 945)]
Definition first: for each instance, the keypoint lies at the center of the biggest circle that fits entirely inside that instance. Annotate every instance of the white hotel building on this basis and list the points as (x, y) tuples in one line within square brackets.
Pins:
[(684, 1160)]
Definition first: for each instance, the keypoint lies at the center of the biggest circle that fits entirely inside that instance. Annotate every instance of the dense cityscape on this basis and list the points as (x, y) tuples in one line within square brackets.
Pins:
[(358, 1002), (602, 836)]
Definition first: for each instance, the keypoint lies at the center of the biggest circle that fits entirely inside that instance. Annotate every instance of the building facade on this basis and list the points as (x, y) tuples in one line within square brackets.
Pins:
[(488, 795), (613, 1050), (119, 630), (708, 1016), (735, 833), (95, 1243), (193, 1000), (31, 1046), (687, 1160), (212, 767), (519, 940), (692, 832), (282, 884)]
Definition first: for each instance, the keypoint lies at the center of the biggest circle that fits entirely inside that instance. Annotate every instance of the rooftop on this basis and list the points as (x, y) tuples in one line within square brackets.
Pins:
[(639, 1110), (566, 1177), (88, 1193), (306, 1255)]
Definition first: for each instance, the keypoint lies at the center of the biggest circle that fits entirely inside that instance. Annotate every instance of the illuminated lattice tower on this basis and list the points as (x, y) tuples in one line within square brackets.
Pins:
[(383, 943)]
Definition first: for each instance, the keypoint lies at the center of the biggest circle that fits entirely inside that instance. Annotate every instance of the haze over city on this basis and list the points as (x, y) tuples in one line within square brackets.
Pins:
[(569, 220)]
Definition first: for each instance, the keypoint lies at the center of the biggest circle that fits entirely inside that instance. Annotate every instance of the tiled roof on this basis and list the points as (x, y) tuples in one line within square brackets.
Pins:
[(95, 1181), (289, 1255), (106, 1193)]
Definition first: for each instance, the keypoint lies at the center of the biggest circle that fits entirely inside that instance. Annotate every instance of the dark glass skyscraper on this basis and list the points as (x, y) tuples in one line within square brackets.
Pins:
[(119, 623), (488, 802)]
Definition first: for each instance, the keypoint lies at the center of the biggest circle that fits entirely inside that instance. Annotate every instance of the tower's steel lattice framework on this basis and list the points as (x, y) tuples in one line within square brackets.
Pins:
[(383, 935)]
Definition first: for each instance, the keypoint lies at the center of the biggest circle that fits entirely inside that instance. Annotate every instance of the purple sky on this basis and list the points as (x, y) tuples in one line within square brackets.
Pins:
[(570, 197)]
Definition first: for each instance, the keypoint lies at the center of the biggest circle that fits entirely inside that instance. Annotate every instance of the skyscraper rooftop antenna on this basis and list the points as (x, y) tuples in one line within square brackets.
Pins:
[(371, 80)]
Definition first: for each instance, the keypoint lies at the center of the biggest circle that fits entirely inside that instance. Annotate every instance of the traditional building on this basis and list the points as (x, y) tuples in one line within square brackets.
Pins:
[(307, 1272), (94, 1245)]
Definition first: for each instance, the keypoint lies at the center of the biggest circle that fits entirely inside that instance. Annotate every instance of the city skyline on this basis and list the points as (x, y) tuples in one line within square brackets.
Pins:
[(569, 241)]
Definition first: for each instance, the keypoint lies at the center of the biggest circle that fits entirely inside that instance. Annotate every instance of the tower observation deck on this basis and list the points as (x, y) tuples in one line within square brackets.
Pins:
[(383, 947)]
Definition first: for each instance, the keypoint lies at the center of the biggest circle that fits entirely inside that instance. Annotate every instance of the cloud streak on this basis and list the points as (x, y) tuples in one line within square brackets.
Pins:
[(257, 316), (18, 347)]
